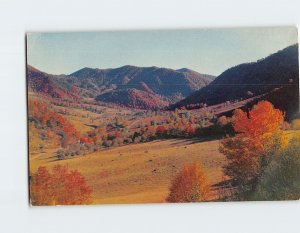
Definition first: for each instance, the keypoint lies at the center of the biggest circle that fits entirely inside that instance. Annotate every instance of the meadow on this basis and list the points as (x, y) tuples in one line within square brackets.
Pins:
[(139, 173)]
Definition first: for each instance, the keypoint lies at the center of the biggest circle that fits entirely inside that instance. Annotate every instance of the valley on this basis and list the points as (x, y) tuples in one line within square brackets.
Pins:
[(134, 134)]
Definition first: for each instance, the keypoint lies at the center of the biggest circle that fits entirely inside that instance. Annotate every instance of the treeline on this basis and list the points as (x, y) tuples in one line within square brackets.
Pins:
[(117, 133)]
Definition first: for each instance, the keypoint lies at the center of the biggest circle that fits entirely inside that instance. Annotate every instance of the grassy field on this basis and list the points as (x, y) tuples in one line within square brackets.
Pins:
[(138, 173)]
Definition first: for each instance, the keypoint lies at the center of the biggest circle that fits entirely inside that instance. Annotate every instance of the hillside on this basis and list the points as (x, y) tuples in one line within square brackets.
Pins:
[(133, 98), (49, 85), (252, 79)]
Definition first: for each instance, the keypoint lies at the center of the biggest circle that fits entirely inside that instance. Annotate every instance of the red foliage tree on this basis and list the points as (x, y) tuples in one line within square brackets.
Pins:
[(61, 187)]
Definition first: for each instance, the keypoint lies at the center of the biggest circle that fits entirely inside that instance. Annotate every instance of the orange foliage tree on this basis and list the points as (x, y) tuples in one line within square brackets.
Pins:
[(258, 132), (189, 185), (61, 187)]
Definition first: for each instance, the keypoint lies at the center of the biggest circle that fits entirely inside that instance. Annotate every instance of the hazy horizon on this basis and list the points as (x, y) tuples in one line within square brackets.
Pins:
[(207, 51)]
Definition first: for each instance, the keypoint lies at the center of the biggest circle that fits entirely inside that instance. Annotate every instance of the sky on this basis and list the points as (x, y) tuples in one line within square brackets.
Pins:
[(208, 51)]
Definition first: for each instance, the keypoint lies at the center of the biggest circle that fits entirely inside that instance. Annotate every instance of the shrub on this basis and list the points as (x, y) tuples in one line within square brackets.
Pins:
[(189, 185)]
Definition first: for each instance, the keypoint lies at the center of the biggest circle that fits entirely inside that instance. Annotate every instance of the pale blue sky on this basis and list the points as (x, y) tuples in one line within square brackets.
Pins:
[(209, 51)]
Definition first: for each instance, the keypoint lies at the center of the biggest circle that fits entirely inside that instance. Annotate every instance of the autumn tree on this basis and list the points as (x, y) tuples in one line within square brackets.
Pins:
[(257, 132), (61, 187), (189, 185)]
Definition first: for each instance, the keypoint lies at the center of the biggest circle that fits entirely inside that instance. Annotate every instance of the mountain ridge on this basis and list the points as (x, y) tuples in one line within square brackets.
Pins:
[(165, 83), (252, 79)]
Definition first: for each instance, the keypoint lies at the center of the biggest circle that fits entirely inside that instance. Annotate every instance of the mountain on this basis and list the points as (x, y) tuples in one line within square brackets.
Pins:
[(163, 85), (49, 85), (171, 85), (133, 98), (277, 74)]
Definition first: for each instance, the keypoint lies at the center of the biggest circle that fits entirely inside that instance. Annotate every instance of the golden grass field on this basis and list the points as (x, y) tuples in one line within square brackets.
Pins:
[(138, 173)]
